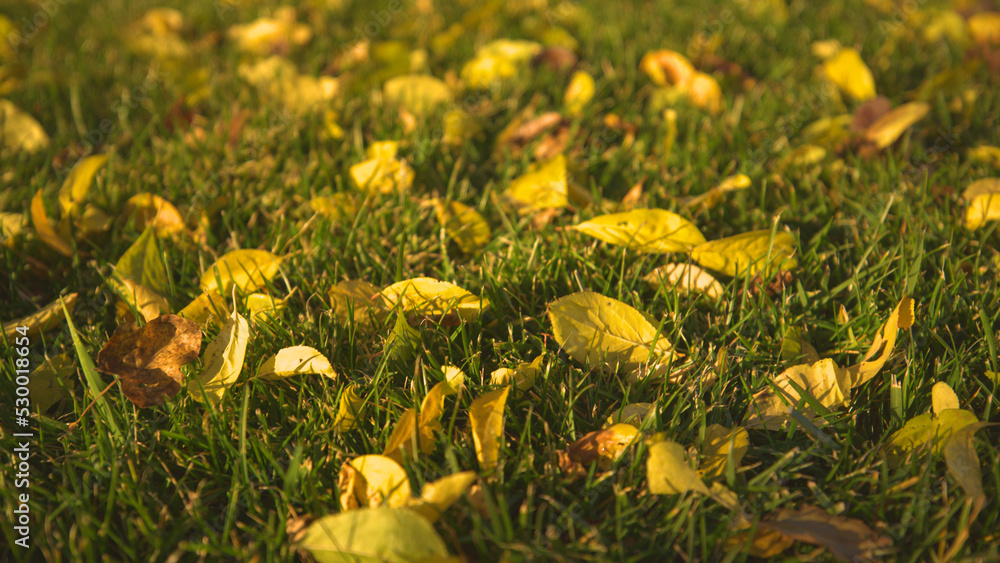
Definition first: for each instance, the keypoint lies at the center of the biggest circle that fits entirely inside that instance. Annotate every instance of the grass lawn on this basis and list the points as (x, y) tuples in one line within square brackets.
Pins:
[(247, 162)]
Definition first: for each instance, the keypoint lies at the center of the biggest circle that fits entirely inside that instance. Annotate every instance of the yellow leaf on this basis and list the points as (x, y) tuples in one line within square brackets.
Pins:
[(417, 94), (892, 125), (985, 154), (606, 333), (11, 227), (984, 27), (824, 380), (881, 348), (438, 495), (340, 206), (720, 444), (381, 481), (984, 202), (42, 320), (296, 360), (579, 92), (404, 438), (795, 348), (704, 92), (205, 307), (943, 397), (635, 414), (223, 361), (143, 299), (962, 460), (544, 188), (431, 298), (497, 61), (603, 446), (143, 263), (267, 35), (523, 376), (928, 430), (458, 126), (51, 381), (685, 279), (849, 73), (382, 172), (384, 535), (748, 253), (486, 420), (19, 130), (348, 410), (668, 472), (157, 34), (279, 81), (43, 227), (146, 209), (463, 224), (712, 197), (645, 230), (77, 183), (667, 68), (355, 301), (247, 270), (263, 307)]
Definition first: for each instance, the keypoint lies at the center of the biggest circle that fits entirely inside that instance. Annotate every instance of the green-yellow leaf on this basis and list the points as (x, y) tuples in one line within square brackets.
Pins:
[(486, 420), (795, 347), (943, 397), (147, 302), (431, 298), (983, 197), (247, 270), (723, 448), (668, 472), (296, 360), (223, 360), (382, 172), (645, 230), (849, 72), (50, 382), (463, 224), (606, 333), (892, 125), (438, 495), (263, 307), (962, 460), (41, 320), (150, 210), (748, 253), (928, 429), (143, 262), (348, 409), (77, 183), (635, 414), (374, 535)]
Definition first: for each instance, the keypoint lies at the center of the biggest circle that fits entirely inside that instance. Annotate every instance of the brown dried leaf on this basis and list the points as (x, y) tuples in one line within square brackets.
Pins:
[(148, 359), (869, 112), (849, 539)]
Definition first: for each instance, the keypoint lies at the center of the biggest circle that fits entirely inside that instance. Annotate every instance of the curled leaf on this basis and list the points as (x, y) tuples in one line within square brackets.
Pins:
[(19, 130), (77, 183), (437, 496), (348, 410), (849, 72), (668, 472), (603, 446), (296, 360), (883, 343), (892, 125), (148, 360), (223, 360), (44, 229), (486, 421)]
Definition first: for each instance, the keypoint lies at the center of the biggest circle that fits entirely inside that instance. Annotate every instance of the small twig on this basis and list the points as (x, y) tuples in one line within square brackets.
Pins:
[(72, 425)]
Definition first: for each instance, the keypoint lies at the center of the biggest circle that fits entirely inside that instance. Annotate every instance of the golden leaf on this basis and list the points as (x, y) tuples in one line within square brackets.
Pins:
[(523, 376), (668, 472), (881, 348), (892, 125), (748, 254), (438, 495), (205, 307), (824, 380), (223, 361), (606, 333), (44, 229), (720, 444), (348, 409), (543, 188), (486, 420), (849, 72), (147, 302), (984, 202), (42, 320), (19, 130), (418, 94), (579, 92), (645, 230), (247, 270), (463, 224), (386, 535), (943, 397), (296, 360), (379, 481), (146, 209), (77, 183), (433, 298), (685, 279), (263, 308)]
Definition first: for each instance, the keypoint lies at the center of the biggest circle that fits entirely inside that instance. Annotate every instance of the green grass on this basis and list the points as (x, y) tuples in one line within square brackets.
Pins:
[(189, 482)]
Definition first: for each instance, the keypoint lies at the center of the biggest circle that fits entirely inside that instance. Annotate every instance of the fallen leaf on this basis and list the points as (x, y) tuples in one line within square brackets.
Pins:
[(883, 343), (603, 446), (824, 380), (11, 227), (348, 409), (148, 360), (143, 263), (723, 448), (984, 27), (985, 154), (355, 301), (685, 279), (579, 92), (868, 113), (962, 460), (418, 94), (46, 318), (892, 125), (486, 421), (748, 254), (522, 377), (668, 472), (247, 270), (386, 535), (795, 348), (712, 197), (52, 381), (19, 130), (463, 224), (645, 230), (850, 74), (927, 430), (379, 481), (147, 302), (268, 35), (605, 333), (983, 197), (263, 308), (223, 361), (77, 183), (543, 188), (382, 172), (635, 414), (150, 210), (943, 397), (205, 307), (667, 68), (848, 539), (296, 360), (44, 229), (497, 61), (438, 495), (429, 297)]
